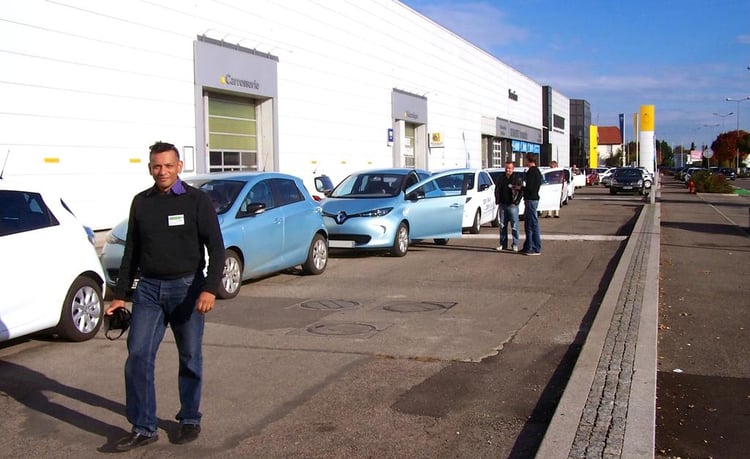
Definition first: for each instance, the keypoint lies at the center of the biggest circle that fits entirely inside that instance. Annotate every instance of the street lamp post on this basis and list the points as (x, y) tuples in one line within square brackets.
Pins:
[(737, 140), (723, 117)]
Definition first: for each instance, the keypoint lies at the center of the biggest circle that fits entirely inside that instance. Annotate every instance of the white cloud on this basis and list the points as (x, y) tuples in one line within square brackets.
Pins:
[(743, 39), (478, 22)]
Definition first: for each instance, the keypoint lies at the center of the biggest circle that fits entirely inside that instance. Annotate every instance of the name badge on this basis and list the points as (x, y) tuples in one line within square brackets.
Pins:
[(176, 220)]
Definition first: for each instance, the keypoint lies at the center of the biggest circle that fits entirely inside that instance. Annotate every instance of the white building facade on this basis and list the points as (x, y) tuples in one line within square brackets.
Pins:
[(301, 87)]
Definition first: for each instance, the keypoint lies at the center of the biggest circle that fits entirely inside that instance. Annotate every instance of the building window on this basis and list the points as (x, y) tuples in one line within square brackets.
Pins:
[(409, 145), (232, 134), (497, 153)]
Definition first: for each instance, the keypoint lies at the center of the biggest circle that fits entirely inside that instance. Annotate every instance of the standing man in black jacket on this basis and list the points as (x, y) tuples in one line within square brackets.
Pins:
[(533, 243), (170, 224), (508, 194)]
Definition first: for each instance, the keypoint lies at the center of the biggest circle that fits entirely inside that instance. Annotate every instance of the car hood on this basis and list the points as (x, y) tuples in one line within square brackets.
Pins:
[(332, 206)]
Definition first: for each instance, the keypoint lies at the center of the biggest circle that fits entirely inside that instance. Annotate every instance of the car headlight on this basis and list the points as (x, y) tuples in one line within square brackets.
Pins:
[(112, 239), (377, 212), (640, 182)]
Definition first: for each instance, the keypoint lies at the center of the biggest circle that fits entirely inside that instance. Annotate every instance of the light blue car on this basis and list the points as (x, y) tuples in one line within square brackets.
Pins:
[(392, 208), (269, 223)]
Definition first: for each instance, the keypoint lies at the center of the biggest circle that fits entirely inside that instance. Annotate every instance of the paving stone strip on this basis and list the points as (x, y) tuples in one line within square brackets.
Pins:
[(601, 430)]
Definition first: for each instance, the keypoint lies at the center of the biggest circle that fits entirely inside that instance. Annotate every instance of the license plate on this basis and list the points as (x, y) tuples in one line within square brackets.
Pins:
[(627, 188), (341, 244)]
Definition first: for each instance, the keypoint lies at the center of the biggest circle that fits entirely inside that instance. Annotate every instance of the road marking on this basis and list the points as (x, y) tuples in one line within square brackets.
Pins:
[(556, 237)]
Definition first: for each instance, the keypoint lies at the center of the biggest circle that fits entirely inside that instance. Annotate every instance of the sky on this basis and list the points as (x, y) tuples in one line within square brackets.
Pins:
[(684, 57)]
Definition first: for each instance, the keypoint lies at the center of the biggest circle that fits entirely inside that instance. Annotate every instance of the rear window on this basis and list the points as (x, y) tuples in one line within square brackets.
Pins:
[(22, 211)]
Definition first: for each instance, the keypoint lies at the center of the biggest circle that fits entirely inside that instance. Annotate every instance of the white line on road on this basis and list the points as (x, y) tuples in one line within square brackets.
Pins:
[(557, 237)]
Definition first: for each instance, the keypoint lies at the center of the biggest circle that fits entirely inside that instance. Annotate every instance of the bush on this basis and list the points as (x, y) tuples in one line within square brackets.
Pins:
[(705, 182)]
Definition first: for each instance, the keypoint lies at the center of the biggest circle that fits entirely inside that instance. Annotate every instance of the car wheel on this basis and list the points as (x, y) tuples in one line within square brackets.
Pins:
[(317, 256), (647, 184), (441, 241), (475, 226), (401, 241), (82, 310), (231, 278)]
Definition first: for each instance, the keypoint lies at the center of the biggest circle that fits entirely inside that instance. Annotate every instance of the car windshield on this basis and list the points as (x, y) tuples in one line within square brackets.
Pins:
[(369, 185), (627, 173), (222, 192)]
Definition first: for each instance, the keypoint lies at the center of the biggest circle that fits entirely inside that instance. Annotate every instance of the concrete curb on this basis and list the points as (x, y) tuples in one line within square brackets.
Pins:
[(638, 438)]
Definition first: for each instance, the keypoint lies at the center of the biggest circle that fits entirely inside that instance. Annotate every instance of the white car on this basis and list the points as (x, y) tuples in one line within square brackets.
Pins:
[(42, 241), (480, 207), (605, 178)]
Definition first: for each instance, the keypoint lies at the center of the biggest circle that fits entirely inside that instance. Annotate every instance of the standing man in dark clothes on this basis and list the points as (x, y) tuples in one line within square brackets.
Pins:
[(169, 226), (508, 194), (533, 243)]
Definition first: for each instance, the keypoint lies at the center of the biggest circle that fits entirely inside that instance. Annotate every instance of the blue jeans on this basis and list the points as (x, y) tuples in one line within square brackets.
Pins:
[(156, 304), (508, 213), (533, 242)]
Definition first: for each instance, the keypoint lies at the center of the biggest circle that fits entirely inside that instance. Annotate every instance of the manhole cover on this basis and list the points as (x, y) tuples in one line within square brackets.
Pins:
[(418, 306), (342, 329), (329, 305)]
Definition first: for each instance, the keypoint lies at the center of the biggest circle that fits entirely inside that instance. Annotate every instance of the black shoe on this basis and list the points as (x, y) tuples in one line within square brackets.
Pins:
[(188, 433), (134, 440)]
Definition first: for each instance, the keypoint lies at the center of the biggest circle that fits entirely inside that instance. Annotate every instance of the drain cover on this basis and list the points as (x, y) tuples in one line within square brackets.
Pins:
[(329, 305), (342, 329), (419, 306)]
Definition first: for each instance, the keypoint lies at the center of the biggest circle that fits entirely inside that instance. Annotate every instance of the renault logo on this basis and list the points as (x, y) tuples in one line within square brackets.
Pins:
[(340, 217)]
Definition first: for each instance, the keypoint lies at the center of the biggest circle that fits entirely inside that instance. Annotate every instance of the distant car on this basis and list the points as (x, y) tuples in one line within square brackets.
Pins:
[(605, 177), (393, 207), (627, 180), (592, 177), (269, 223), (729, 173), (480, 207), (648, 178), (50, 276), (690, 171), (579, 177)]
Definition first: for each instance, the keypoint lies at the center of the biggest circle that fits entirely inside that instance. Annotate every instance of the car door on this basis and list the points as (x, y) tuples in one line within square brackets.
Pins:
[(550, 191), (434, 207), (261, 234), (486, 195), (299, 221)]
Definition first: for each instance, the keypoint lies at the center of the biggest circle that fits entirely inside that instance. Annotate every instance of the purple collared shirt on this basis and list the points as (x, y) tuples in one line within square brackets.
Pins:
[(177, 188)]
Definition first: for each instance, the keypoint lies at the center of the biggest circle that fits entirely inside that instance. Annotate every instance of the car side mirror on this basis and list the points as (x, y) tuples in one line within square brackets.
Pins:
[(254, 208), (323, 184), (415, 195), (483, 187)]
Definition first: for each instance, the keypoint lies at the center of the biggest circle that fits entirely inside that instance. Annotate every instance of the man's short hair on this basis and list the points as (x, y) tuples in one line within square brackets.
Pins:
[(531, 157), (161, 147), (510, 161)]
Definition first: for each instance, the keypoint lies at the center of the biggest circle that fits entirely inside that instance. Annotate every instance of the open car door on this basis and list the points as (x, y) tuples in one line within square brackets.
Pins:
[(552, 189), (435, 206)]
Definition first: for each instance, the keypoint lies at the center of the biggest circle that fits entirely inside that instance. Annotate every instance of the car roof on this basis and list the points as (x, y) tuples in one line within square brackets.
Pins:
[(390, 170), (238, 175)]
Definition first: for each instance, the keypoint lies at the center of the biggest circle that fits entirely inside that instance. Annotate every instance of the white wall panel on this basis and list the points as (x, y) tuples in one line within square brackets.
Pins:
[(109, 78)]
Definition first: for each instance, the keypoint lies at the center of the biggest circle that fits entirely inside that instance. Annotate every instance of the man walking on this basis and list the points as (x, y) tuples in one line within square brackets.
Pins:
[(169, 226), (508, 194), (533, 243)]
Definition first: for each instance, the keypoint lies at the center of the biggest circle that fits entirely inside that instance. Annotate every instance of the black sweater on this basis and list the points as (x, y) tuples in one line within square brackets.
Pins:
[(166, 237), (533, 183)]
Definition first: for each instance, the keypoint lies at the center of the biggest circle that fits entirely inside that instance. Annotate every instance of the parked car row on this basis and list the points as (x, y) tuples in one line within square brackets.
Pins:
[(269, 222)]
